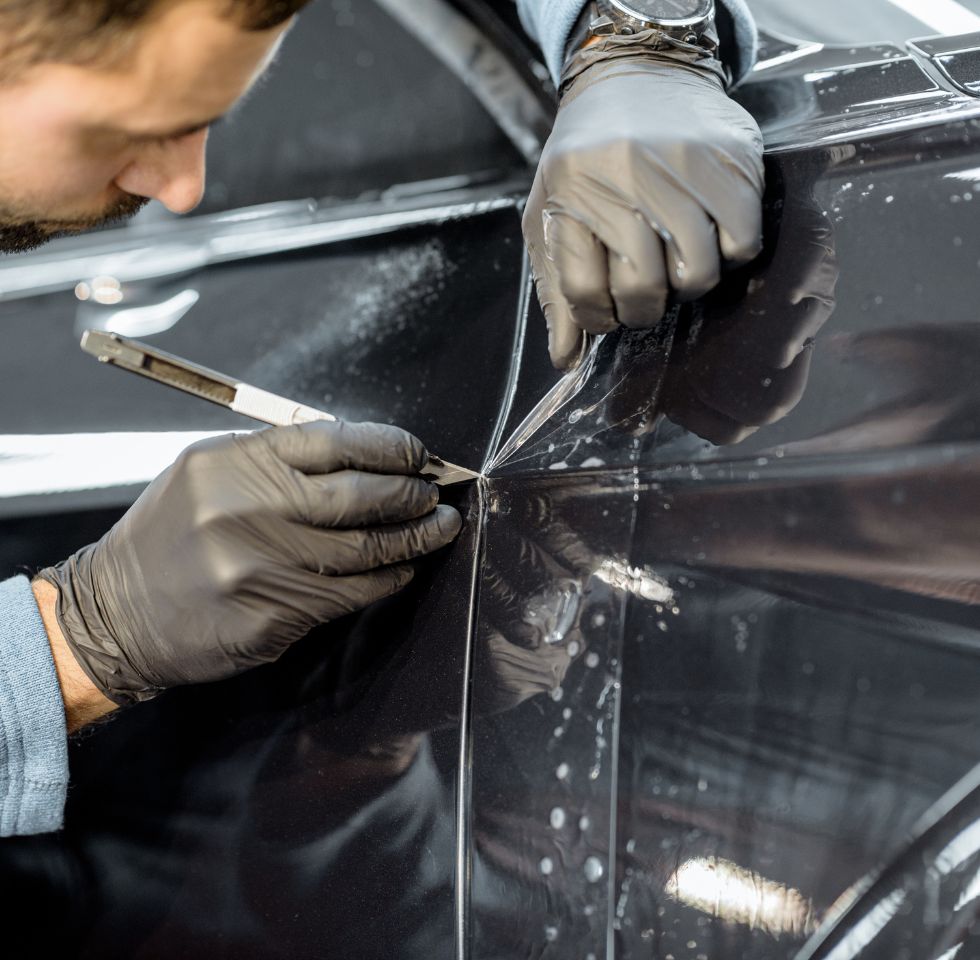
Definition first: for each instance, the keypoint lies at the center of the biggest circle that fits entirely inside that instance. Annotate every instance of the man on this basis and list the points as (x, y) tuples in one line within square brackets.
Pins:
[(247, 542)]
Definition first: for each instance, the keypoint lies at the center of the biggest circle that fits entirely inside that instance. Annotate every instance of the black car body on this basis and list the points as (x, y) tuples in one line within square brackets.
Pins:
[(699, 678)]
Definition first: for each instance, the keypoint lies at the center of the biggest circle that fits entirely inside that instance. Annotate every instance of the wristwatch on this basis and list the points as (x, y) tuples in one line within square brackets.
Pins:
[(684, 24)]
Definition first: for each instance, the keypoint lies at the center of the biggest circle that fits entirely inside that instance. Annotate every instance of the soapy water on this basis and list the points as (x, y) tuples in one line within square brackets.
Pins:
[(593, 869)]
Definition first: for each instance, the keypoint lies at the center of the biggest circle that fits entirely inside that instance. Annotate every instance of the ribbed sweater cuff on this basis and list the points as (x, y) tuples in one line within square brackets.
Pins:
[(33, 738)]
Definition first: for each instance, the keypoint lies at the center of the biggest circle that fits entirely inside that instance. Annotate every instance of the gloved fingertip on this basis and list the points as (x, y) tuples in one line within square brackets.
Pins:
[(403, 575), (564, 341), (417, 455), (448, 521)]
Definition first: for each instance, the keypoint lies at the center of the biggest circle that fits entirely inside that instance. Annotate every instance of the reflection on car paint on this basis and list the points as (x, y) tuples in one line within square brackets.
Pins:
[(924, 903), (198, 242), (794, 459), (39, 465), (808, 94)]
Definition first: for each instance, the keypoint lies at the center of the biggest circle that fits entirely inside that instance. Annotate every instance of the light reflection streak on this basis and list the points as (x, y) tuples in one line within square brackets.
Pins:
[(638, 581), (198, 242), (36, 464), (868, 928), (149, 320), (971, 893), (967, 176), (966, 844), (725, 890), (805, 51)]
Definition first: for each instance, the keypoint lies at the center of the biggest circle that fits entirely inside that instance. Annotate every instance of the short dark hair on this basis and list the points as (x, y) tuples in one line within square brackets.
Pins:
[(85, 31)]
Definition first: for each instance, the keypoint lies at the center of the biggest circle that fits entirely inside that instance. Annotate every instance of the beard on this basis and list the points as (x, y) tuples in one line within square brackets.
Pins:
[(18, 234)]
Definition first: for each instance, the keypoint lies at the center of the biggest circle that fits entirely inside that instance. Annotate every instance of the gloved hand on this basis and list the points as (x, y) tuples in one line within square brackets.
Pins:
[(652, 178), (241, 547)]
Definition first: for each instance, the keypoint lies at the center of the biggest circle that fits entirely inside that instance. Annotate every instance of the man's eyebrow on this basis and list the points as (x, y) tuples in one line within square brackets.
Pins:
[(174, 134)]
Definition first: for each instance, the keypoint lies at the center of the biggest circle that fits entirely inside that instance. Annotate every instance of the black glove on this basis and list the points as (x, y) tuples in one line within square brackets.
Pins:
[(652, 179), (241, 547)]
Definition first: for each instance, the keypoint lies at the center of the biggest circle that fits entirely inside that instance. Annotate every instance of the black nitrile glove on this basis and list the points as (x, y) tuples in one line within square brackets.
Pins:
[(241, 547), (651, 180)]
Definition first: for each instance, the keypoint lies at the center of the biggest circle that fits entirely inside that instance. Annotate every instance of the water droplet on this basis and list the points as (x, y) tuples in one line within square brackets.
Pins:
[(598, 620), (557, 694), (631, 845), (593, 869), (562, 771), (584, 823), (576, 415), (546, 866), (551, 934), (557, 818), (573, 648), (702, 785), (567, 713), (592, 659)]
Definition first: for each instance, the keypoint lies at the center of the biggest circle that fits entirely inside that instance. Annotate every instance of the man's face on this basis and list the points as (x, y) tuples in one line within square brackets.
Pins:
[(84, 145)]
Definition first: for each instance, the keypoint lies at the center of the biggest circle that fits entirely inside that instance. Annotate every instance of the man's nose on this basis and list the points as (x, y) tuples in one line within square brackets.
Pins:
[(171, 172)]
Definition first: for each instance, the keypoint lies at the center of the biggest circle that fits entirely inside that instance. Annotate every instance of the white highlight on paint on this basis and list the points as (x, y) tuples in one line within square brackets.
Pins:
[(971, 893), (725, 890), (805, 51), (35, 464), (867, 929), (944, 16), (147, 321), (964, 846), (967, 176), (639, 581)]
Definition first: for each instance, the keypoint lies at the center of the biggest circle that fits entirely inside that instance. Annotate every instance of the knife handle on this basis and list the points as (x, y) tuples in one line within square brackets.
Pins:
[(271, 408)]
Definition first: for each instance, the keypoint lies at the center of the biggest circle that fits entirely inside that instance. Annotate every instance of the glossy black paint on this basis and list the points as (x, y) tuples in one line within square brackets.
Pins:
[(705, 655), (273, 791)]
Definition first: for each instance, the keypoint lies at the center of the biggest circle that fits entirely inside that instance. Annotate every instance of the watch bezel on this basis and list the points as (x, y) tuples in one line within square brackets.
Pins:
[(623, 8)]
